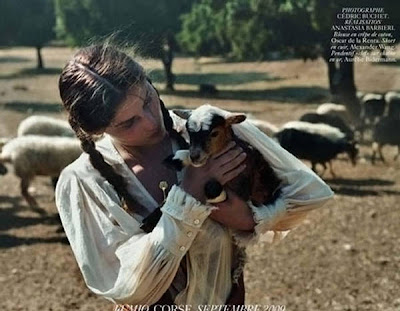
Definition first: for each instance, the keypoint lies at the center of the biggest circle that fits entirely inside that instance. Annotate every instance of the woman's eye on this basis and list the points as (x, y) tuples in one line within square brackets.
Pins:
[(214, 134), (129, 123)]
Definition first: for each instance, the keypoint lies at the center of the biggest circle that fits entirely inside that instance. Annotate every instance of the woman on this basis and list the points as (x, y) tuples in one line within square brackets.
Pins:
[(141, 233)]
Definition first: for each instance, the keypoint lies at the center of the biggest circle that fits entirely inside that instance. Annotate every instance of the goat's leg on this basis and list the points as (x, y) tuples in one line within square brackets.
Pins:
[(314, 167), (331, 169), (380, 153), (324, 166), (214, 191), (398, 152), (179, 160), (374, 150), (24, 191)]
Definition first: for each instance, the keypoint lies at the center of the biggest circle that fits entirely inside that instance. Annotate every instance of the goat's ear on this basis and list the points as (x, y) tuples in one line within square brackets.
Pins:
[(183, 113), (236, 118)]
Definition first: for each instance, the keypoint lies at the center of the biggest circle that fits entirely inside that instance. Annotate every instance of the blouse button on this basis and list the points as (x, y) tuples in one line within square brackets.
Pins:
[(182, 248), (196, 221), (189, 234)]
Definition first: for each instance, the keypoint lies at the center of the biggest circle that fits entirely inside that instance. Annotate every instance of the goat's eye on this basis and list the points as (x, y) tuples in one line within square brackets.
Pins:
[(214, 134)]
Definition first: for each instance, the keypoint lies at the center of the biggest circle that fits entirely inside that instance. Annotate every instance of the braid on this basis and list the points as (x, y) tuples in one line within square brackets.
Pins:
[(97, 160)]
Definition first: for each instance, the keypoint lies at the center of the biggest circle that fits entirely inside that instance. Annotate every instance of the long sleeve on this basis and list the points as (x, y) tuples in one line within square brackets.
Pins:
[(117, 259), (301, 189)]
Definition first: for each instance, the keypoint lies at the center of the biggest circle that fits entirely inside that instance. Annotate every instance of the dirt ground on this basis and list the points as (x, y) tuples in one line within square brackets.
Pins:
[(346, 256)]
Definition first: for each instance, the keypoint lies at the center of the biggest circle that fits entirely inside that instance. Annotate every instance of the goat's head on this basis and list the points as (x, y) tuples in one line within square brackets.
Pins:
[(209, 131), (352, 151)]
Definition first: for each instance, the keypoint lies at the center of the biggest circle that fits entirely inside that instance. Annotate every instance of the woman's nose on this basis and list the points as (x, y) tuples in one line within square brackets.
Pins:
[(151, 121)]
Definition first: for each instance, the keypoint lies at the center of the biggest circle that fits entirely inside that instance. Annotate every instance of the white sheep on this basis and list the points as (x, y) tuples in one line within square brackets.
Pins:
[(39, 155), (43, 125), (336, 110)]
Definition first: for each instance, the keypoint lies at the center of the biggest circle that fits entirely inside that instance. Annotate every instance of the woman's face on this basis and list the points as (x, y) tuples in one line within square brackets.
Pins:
[(138, 120)]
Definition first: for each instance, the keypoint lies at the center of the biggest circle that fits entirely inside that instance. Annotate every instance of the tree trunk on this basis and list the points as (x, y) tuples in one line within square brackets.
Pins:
[(341, 84), (332, 69), (347, 90), (167, 59), (39, 57)]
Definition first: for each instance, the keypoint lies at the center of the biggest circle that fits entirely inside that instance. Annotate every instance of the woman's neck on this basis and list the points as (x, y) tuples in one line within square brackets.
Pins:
[(147, 153)]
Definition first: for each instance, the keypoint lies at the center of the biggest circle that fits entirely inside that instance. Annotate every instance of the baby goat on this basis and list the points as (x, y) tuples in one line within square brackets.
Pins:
[(210, 133)]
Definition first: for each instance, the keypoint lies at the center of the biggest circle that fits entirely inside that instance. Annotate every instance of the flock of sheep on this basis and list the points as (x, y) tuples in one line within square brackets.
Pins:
[(45, 146), (320, 136)]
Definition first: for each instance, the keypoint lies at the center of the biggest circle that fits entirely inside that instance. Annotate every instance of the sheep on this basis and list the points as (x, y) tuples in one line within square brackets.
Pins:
[(386, 132), (336, 110), (392, 100), (360, 95), (43, 125), (318, 143), (39, 155), (372, 107), (209, 133), (332, 120)]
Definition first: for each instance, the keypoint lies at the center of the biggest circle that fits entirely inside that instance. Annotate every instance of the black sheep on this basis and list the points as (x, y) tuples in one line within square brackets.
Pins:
[(386, 132), (315, 147)]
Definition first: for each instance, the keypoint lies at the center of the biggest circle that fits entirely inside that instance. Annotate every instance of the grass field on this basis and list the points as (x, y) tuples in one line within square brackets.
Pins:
[(345, 257)]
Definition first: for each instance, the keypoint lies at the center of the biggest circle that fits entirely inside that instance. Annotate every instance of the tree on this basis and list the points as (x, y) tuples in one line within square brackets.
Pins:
[(203, 29), (150, 25), (27, 22), (247, 29)]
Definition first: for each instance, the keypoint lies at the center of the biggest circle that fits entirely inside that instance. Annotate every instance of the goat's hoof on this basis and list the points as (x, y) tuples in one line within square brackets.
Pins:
[(214, 191), (221, 198)]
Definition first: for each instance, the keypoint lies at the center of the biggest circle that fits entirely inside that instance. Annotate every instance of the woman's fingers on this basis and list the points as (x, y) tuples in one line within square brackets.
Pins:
[(228, 156), (229, 146), (231, 174), (233, 163)]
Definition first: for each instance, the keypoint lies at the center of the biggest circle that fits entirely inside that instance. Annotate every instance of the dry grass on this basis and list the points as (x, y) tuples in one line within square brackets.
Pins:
[(345, 257)]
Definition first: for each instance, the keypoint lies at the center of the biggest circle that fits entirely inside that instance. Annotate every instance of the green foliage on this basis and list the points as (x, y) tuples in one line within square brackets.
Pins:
[(145, 23), (247, 29), (26, 22), (203, 29)]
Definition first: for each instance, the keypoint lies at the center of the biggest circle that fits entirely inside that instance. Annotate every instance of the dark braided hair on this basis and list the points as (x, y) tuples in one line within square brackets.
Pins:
[(92, 86)]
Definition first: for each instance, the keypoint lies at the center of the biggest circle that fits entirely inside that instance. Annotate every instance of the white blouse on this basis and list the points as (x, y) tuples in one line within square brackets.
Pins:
[(124, 264)]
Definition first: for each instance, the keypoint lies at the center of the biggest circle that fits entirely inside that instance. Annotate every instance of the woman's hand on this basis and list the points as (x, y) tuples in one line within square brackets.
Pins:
[(223, 167), (234, 213)]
